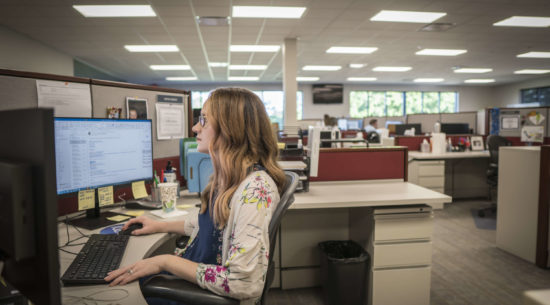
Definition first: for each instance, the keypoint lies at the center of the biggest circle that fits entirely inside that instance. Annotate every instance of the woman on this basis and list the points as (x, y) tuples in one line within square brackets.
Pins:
[(228, 249)]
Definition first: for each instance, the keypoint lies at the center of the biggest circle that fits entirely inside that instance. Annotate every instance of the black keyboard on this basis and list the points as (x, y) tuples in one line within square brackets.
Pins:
[(101, 254)]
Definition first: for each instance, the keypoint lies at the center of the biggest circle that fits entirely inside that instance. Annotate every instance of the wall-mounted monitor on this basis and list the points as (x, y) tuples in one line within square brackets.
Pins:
[(328, 94)]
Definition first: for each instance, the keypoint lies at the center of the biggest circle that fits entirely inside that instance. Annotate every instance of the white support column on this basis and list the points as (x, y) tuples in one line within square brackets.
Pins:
[(290, 86)]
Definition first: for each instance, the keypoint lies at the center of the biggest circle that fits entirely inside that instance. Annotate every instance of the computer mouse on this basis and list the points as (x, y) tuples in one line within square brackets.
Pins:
[(130, 229)]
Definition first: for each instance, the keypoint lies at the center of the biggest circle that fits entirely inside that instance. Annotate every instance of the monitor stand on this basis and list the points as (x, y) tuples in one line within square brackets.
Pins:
[(95, 220)]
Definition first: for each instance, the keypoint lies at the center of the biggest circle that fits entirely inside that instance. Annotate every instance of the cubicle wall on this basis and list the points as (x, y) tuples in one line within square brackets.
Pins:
[(338, 164), (513, 133), (18, 90)]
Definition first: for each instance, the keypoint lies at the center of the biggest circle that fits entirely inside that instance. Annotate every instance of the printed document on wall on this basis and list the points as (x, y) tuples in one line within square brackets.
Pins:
[(67, 99), (170, 121)]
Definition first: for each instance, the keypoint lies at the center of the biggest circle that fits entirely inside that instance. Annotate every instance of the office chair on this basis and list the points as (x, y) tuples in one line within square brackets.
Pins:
[(373, 137), (177, 289), (493, 144)]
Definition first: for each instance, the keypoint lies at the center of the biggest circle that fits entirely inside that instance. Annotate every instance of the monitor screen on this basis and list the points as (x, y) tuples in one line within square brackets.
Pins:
[(356, 124), (455, 128), (400, 129), (342, 124), (328, 94), (92, 153)]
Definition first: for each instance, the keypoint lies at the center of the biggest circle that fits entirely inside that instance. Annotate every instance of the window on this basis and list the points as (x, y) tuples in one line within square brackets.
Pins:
[(273, 102), (398, 103)]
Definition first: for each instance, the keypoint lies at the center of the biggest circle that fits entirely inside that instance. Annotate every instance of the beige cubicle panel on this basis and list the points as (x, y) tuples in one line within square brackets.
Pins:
[(427, 121)]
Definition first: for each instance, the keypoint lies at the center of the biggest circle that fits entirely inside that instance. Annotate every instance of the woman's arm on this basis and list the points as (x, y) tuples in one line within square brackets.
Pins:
[(151, 226)]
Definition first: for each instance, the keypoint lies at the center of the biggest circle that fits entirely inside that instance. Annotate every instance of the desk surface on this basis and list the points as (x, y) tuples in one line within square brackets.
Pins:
[(346, 194), (416, 155), (138, 248)]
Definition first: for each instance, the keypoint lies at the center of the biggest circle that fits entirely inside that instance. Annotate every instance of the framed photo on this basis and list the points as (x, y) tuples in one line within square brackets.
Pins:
[(136, 108), (477, 143)]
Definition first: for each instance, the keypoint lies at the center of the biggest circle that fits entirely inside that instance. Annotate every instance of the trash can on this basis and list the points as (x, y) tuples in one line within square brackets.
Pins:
[(344, 272)]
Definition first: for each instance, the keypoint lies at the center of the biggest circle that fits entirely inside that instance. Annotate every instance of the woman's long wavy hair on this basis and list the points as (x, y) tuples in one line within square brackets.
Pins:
[(243, 137)]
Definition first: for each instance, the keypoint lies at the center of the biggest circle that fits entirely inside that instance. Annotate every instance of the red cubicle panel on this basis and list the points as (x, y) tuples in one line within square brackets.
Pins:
[(362, 164)]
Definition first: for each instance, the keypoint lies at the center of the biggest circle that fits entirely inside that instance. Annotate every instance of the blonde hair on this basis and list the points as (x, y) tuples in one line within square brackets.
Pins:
[(243, 137)]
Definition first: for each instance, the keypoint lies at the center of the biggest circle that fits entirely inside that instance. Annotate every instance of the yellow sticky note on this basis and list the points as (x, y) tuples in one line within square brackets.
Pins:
[(186, 206), (86, 199), (105, 195), (280, 145), (135, 213), (138, 189), (118, 218)]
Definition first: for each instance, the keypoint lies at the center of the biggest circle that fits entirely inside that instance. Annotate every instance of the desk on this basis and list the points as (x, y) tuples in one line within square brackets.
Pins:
[(388, 218), (138, 247), (440, 172)]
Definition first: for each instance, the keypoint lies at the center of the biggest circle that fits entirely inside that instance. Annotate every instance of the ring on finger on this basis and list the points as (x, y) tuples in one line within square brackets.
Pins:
[(131, 271)]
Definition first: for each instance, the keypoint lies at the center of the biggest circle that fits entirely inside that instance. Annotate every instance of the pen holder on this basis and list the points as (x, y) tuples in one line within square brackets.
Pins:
[(168, 196), (155, 194)]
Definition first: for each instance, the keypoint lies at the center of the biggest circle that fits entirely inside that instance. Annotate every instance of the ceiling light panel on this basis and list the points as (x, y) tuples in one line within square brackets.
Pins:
[(243, 78), (152, 48), (181, 78), (525, 21), (91, 11), (217, 64), (286, 12), (473, 70), (321, 68), (254, 48), (307, 78), (535, 55), (480, 81), (356, 66), (247, 67), (351, 50), (170, 67), (361, 79), (407, 16), (532, 71), (391, 69), (441, 52), (428, 80)]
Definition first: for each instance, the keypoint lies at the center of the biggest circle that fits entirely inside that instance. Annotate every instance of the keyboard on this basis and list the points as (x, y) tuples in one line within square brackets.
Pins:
[(101, 254)]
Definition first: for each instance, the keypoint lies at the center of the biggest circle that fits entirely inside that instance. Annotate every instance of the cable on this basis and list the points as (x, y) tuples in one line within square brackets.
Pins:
[(60, 248), (83, 300)]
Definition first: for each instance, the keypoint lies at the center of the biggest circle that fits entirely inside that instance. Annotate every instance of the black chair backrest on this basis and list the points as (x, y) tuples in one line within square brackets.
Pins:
[(493, 143), (287, 198), (373, 137)]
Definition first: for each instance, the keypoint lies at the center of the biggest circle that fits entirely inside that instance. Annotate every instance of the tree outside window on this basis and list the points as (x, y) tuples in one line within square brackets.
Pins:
[(394, 103), (430, 102), (448, 102), (414, 102), (358, 102), (377, 103)]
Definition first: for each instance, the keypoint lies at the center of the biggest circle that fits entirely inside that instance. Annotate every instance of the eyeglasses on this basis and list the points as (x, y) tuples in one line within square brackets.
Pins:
[(202, 120)]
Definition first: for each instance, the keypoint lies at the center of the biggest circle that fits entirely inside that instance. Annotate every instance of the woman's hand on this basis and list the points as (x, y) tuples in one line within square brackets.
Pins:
[(135, 271), (150, 226)]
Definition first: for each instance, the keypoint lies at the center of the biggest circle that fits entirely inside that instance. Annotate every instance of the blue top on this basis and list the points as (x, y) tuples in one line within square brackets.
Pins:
[(206, 247)]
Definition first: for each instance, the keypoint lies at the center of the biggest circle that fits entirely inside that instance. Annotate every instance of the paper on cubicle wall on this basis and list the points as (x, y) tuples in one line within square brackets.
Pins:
[(532, 134), (170, 121), (67, 99)]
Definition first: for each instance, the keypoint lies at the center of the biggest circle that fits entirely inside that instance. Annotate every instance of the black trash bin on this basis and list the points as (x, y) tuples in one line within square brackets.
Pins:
[(344, 272)]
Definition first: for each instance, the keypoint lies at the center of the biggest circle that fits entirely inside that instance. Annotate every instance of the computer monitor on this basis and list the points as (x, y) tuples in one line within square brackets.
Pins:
[(455, 128), (343, 124), (28, 204), (355, 124), (91, 153), (400, 129)]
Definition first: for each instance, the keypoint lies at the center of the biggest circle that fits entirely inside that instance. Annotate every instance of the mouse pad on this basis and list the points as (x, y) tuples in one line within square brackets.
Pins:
[(114, 229)]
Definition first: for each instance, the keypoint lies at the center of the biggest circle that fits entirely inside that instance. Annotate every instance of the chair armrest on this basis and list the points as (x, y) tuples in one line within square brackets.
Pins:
[(181, 241), (177, 289)]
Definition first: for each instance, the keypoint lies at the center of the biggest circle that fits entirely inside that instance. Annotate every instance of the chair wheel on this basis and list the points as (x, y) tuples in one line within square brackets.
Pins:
[(481, 213)]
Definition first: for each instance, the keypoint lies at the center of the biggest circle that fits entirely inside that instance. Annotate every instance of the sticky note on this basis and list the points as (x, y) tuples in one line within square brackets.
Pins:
[(105, 195), (138, 189), (86, 199), (118, 218), (280, 145), (135, 213), (186, 206)]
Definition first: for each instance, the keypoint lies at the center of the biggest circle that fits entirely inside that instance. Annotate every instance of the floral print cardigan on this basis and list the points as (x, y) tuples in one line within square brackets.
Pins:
[(245, 246)]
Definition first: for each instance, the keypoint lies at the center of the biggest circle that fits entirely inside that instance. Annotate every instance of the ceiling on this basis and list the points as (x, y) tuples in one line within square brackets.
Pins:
[(100, 42)]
